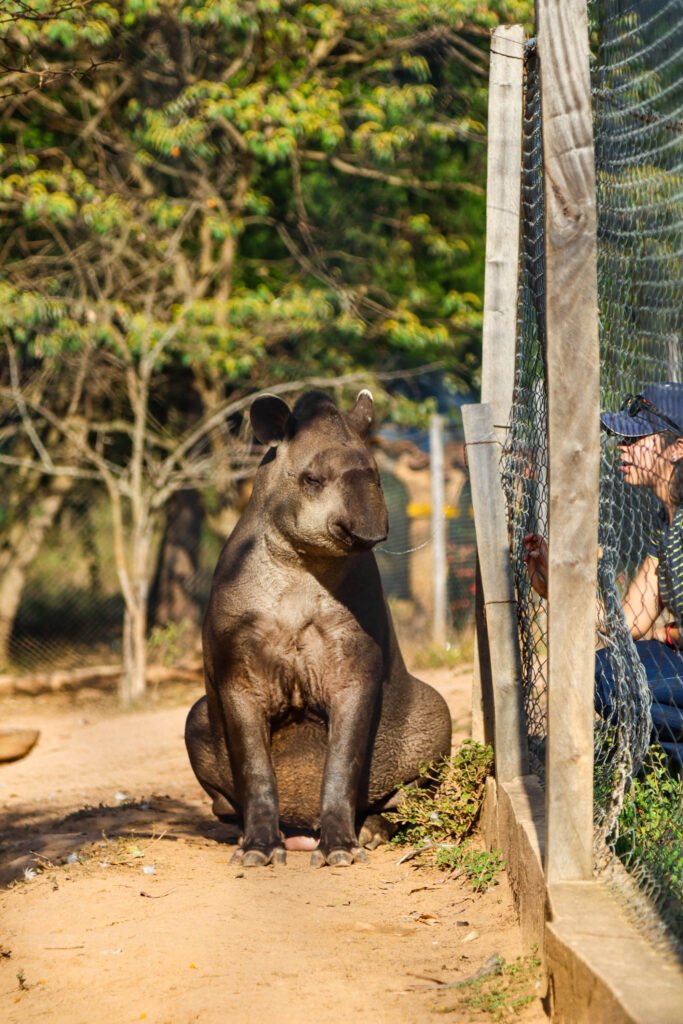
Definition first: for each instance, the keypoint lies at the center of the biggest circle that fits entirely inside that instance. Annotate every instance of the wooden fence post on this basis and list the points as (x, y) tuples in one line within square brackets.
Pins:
[(500, 609), (439, 565), (573, 359), (503, 202)]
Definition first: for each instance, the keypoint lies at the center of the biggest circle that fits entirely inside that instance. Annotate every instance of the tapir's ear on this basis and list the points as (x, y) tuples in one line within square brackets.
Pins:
[(360, 416), (269, 415)]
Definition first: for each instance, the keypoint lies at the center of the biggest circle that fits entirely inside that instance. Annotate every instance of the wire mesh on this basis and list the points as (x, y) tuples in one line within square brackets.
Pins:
[(637, 93), (525, 456)]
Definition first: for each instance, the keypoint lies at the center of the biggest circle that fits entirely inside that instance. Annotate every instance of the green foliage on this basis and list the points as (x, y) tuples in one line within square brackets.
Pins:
[(480, 867), (650, 839), (505, 992), (454, 655), (445, 806), (301, 184)]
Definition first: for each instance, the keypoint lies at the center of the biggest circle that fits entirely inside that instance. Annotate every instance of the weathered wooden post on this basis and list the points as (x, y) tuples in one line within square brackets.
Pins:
[(500, 606), (503, 199), (439, 566), (573, 362)]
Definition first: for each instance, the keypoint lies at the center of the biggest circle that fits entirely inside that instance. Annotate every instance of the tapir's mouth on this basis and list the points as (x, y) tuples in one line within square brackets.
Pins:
[(355, 541)]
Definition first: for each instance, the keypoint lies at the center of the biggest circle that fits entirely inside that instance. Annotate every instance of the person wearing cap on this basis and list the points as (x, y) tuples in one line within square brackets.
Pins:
[(649, 432)]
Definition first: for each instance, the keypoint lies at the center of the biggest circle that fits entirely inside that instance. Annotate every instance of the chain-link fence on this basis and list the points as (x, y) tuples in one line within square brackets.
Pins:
[(64, 608), (637, 93)]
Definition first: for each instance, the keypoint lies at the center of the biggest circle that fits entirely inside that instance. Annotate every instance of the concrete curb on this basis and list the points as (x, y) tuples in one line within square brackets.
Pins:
[(600, 968)]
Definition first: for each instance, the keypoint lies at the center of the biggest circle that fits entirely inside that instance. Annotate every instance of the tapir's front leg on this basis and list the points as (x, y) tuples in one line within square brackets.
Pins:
[(248, 741), (350, 718)]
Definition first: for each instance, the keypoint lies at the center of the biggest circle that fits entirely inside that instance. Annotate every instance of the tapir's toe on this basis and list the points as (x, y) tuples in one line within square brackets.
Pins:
[(338, 858), (256, 858)]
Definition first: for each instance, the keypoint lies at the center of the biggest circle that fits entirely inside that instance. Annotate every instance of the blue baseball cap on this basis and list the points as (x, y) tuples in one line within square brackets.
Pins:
[(658, 407)]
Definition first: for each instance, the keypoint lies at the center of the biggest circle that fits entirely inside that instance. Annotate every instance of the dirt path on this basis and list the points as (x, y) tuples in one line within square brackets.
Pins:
[(150, 922)]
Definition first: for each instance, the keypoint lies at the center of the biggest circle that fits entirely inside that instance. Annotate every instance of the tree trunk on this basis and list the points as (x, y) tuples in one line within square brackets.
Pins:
[(21, 545), (133, 681), (174, 598)]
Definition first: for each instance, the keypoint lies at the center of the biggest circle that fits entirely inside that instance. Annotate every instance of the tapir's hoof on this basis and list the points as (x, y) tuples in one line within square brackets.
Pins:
[(259, 858), (338, 858), (375, 831)]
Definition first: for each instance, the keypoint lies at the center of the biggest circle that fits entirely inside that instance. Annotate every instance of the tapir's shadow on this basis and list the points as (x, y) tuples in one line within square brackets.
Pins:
[(29, 840)]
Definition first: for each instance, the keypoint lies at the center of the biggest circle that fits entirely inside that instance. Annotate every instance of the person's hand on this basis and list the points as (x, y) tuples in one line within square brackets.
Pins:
[(536, 560)]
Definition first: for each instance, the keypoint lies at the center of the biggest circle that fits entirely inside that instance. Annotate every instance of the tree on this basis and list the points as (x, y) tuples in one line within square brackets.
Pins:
[(236, 193)]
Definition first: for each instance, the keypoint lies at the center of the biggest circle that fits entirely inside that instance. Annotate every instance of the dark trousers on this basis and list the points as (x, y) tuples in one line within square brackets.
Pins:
[(664, 670)]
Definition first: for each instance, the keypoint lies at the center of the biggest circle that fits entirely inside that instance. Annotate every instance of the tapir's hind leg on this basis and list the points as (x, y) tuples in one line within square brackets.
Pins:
[(213, 772), (414, 730)]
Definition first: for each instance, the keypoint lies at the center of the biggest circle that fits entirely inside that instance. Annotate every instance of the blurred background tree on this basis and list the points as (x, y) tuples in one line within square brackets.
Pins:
[(201, 198)]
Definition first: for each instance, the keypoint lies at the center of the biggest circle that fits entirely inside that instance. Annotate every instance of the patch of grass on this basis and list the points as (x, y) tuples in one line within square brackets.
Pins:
[(650, 842), (479, 867), (445, 805), (167, 644), (458, 652), (438, 814), (504, 993)]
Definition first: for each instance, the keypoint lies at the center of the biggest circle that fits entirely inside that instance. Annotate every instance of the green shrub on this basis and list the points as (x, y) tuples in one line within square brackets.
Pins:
[(650, 842), (445, 805), (479, 866), (505, 992)]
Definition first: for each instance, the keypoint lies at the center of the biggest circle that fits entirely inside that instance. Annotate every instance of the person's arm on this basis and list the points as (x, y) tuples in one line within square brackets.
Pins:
[(642, 603)]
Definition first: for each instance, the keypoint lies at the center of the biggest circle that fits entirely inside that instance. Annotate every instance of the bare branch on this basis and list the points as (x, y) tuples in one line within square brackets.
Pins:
[(45, 459), (55, 470), (391, 179), (230, 408), (26, 12), (47, 77)]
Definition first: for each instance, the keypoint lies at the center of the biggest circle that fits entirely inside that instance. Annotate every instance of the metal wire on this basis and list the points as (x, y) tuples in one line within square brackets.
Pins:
[(637, 94)]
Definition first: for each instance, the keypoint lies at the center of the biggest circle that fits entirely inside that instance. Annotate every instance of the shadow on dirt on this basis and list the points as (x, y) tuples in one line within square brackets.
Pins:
[(28, 841)]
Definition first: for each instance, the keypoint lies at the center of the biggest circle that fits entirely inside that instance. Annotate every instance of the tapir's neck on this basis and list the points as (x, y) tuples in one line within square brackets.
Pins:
[(329, 571)]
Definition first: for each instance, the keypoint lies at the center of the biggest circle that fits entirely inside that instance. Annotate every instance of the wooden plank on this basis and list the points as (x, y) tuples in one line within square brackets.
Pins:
[(439, 564), (503, 201), (482, 683), (498, 592), (573, 432)]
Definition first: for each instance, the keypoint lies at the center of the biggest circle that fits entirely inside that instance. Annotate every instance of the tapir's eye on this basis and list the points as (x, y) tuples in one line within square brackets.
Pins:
[(312, 481)]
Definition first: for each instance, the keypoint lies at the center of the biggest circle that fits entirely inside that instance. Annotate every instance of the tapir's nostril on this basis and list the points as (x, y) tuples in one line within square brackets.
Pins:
[(369, 541), (356, 539)]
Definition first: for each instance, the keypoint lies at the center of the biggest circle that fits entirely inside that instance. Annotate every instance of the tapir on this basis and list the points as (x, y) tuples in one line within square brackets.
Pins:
[(311, 720)]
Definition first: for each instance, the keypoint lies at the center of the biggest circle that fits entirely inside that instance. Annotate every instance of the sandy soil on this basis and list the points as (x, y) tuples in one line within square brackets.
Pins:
[(135, 913)]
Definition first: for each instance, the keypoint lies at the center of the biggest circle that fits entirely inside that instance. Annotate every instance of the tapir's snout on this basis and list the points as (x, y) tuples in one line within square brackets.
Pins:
[(355, 540), (364, 521)]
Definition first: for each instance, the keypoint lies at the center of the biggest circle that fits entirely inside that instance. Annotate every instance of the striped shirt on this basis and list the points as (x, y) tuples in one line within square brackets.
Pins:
[(667, 546)]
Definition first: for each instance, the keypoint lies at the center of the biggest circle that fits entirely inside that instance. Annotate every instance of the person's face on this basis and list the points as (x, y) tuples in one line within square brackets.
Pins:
[(643, 463)]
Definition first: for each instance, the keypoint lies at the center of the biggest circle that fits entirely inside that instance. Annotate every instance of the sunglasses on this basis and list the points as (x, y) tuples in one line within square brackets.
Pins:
[(633, 404)]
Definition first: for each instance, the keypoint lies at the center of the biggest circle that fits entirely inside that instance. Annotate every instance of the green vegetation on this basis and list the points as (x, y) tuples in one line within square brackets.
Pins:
[(438, 815), (650, 831), (479, 867), (459, 652), (444, 807), (288, 181), (505, 992)]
